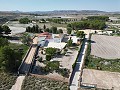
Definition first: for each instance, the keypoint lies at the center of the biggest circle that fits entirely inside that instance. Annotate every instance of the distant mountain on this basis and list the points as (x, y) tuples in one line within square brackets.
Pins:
[(61, 12), (57, 12), (68, 12)]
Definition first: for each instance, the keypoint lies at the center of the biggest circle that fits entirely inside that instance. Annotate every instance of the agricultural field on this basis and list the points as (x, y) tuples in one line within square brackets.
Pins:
[(103, 79), (37, 83), (103, 55), (107, 47), (7, 80)]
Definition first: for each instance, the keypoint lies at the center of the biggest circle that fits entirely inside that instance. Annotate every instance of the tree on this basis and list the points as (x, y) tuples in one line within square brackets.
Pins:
[(88, 24), (1, 30), (34, 29), (80, 34), (3, 42), (40, 59), (103, 18), (8, 59), (6, 29), (51, 66), (54, 30), (51, 51), (46, 30), (26, 39), (69, 30), (44, 27), (48, 57), (24, 20), (69, 25), (69, 43), (60, 31), (28, 29)]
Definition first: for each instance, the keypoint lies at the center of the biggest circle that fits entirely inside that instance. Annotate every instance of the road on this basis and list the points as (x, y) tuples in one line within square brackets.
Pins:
[(26, 64), (76, 72)]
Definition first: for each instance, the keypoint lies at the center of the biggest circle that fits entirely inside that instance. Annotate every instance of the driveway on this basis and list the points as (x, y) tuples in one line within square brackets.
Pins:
[(76, 72)]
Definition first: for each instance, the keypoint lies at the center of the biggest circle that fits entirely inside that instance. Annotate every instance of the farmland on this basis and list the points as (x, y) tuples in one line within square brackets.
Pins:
[(6, 80), (102, 63), (37, 83), (98, 58), (103, 79), (105, 46)]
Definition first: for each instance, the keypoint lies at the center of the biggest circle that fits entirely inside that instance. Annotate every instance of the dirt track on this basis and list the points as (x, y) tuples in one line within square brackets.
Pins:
[(105, 46)]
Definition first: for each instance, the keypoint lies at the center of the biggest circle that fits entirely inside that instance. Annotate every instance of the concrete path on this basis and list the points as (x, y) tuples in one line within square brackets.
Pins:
[(76, 73), (18, 84), (27, 63)]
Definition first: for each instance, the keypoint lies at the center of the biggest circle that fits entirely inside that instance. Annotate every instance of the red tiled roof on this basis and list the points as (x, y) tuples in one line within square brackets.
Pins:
[(48, 37), (45, 34)]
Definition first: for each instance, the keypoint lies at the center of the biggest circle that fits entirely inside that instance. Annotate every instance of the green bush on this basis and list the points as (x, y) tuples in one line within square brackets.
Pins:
[(40, 59), (51, 66), (64, 72), (48, 57), (51, 51)]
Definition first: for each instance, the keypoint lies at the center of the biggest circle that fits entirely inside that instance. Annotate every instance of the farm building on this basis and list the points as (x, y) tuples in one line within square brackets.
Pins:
[(59, 46), (51, 40)]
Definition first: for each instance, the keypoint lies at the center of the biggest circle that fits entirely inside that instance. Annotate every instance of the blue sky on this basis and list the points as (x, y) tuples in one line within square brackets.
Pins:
[(49, 5)]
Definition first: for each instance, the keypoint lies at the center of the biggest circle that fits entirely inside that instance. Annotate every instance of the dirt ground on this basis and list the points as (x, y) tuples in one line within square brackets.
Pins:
[(66, 61), (103, 79), (107, 47)]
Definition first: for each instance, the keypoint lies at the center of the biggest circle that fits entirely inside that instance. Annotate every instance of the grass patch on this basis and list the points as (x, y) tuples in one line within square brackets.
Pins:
[(36, 83), (103, 64), (7, 80)]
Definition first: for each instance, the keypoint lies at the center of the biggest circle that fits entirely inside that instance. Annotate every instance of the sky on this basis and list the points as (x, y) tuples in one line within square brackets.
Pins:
[(50, 5)]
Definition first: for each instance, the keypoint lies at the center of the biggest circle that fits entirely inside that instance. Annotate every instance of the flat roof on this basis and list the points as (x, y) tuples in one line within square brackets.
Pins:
[(56, 45)]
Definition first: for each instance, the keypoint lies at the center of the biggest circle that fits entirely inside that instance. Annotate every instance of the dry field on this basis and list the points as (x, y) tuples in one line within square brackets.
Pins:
[(103, 79), (107, 47)]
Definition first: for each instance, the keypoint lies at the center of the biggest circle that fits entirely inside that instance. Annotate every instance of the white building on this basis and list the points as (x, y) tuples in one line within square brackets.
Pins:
[(75, 39), (56, 45)]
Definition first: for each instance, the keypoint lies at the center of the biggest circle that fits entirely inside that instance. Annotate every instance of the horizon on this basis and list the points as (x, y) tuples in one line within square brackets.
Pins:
[(52, 5), (54, 10)]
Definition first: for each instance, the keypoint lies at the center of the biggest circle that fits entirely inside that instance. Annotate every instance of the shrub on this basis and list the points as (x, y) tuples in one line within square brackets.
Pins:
[(48, 57), (40, 59), (64, 72), (51, 51)]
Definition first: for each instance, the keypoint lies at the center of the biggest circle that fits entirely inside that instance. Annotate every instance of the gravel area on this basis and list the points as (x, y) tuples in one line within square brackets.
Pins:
[(107, 47)]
